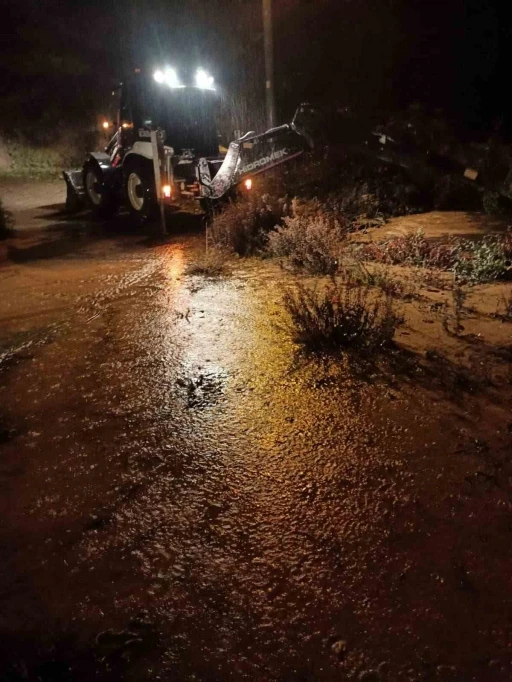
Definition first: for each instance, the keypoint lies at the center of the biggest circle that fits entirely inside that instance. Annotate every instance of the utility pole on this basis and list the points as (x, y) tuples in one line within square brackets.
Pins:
[(269, 63)]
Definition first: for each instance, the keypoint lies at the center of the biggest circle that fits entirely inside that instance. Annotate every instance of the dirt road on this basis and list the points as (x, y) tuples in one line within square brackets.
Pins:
[(185, 497)]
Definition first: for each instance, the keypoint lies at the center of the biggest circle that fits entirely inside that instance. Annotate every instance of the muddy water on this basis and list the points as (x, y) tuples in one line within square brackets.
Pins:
[(184, 497)]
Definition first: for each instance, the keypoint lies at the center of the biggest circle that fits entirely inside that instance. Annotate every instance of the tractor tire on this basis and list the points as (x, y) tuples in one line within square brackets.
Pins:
[(139, 190), (99, 197)]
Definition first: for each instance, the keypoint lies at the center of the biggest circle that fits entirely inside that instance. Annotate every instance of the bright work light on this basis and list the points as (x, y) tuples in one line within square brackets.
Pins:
[(169, 77), (204, 80)]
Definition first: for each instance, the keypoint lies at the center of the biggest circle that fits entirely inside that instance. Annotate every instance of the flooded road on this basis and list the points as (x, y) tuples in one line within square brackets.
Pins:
[(183, 496)]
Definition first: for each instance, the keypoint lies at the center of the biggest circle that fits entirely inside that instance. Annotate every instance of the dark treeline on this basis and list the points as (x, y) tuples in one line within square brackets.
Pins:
[(60, 57)]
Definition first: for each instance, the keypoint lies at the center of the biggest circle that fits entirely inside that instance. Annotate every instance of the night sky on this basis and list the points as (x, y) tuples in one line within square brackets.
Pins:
[(57, 55)]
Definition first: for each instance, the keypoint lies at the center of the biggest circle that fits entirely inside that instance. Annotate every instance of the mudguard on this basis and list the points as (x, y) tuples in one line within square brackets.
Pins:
[(111, 175), (103, 162)]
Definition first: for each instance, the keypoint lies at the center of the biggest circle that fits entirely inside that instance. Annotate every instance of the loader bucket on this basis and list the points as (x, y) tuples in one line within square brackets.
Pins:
[(75, 191)]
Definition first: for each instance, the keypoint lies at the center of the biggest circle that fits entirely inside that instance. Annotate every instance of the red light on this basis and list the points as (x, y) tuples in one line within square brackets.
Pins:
[(166, 189), (248, 184)]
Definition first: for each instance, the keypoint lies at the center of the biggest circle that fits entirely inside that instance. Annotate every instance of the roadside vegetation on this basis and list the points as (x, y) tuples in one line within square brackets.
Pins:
[(311, 236), (344, 316), (471, 261), (45, 155), (321, 223), (244, 225), (212, 263), (6, 222)]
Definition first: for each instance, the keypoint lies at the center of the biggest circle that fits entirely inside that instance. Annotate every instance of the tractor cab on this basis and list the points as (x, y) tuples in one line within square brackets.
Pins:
[(185, 113)]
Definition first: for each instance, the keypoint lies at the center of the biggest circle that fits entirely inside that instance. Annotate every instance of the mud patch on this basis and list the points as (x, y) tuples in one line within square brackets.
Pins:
[(22, 345), (63, 657), (202, 390)]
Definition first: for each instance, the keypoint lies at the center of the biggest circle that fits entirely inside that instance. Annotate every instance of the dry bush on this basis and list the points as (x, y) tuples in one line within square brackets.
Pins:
[(341, 317), (243, 226), (310, 238)]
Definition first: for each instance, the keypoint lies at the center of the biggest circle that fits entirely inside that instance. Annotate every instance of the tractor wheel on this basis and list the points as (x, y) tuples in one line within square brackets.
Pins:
[(98, 195), (139, 190)]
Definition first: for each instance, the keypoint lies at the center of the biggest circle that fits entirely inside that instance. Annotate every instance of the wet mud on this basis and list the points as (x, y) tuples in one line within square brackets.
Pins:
[(184, 496)]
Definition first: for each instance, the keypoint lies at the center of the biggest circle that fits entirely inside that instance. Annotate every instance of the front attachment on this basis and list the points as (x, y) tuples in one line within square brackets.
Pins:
[(253, 154), (75, 191)]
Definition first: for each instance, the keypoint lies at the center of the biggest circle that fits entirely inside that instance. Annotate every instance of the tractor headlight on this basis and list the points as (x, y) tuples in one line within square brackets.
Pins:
[(169, 77), (204, 80)]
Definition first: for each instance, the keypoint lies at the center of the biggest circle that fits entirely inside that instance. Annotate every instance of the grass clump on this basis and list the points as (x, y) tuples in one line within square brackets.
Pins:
[(6, 222), (343, 317), (211, 264), (378, 277)]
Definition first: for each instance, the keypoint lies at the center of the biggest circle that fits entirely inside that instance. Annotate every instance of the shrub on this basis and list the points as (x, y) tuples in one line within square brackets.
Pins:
[(310, 239), (48, 155), (243, 226), (473, 262), (505, 241), (342, 317), (412, 249), (33, 161), (455, 193), (481, 261), (6, 222), (365, 191)]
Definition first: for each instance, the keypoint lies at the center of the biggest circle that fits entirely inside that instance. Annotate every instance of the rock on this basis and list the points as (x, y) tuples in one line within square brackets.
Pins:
[(446, 672), (339, 648), (369, 676), (383, 669)]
